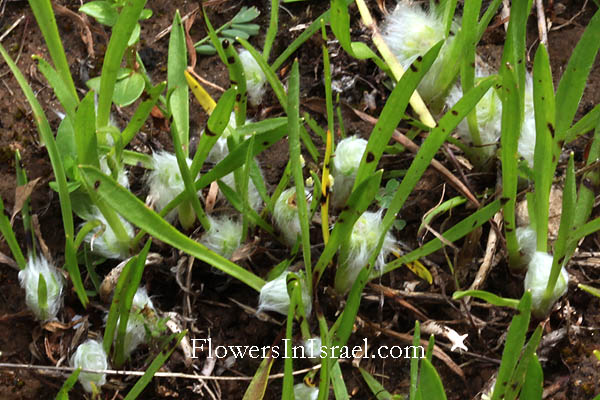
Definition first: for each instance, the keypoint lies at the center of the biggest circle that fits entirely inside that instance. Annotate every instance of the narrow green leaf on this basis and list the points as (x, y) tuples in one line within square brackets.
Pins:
[(113, 313), (121, 33), (545, 149), (514, 343), (392, 113), (9, 236), (258, 385), (162, 357), (61, 90), (459, 230), (137, 213), (376, 388), (42, 10), (533, 387), (63, 393), (572, 84), (295, 159), (487, 297), (85, 132), (176, 83), (141, 113), (430, 384)]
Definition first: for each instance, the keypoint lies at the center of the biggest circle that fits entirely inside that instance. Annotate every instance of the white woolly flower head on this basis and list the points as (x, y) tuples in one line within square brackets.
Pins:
[(536, 280), (286, 217), (137, 328), (165, 181), (312, 347), (410, 32), (346, 160), (224, 235), (489, 118), (220, 150), (274, 296), (356, 253), (255, 78), (527, 239), (489, 115), (29, 279), (254, 198), (122, 178), (106, 243), (90, 355), (305, 392)]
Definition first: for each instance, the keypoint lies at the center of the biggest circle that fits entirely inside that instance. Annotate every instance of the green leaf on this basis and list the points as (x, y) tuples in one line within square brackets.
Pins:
[(572, 84), (545, 149), (488, 297), (591, 290), (63, 393), (293, 110), (534, 381), (392, 113), (430, 384), (102, 11), (85, 132), (121, 33), (459, 230), (128, 90), (176, 83), (61, 90), (258, 385), (171, 344), (376, 388), (9, 236), (141, 114), (42, 10), (245, 15), (514, 343), (137, 213)]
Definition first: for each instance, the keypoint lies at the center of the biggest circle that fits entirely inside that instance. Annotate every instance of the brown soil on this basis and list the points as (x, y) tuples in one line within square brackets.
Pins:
[(571, 372)]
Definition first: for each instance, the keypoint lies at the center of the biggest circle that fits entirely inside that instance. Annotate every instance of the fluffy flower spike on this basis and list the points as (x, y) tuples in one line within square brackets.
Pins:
[(224, 235), (165, 183), (90, 355), (527, 239), (274, 296), (305, 392), (136, 331), (106, 243), (254, 198), (410, 32), (356, 253), (286, 217), (348, 154), (489, 118), (29, 278), (255, 78), (536, 280)]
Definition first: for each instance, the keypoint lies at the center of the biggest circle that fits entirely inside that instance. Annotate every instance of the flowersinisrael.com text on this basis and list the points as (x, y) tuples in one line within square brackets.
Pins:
[(297, 351)]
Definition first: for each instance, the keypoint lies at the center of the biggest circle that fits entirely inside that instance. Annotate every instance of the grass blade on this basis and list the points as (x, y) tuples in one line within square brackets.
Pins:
[(121, 33), (487, 297), (137, 213), (514, 343), (295, 160), (161, 358), (42, 10), (545, 150), (572, 84)]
